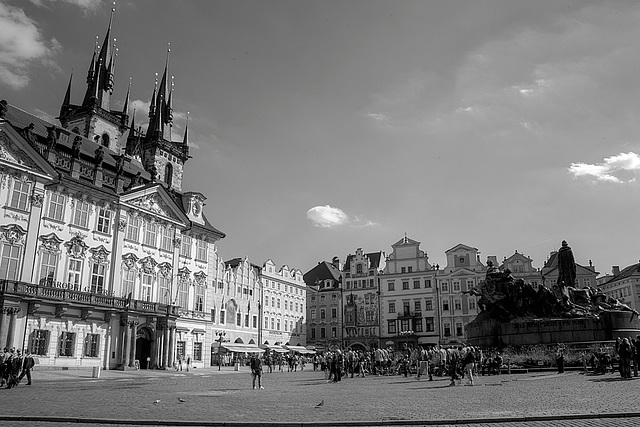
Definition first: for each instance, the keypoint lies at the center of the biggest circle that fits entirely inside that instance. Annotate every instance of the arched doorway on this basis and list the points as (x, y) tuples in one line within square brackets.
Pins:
[(143, 347)]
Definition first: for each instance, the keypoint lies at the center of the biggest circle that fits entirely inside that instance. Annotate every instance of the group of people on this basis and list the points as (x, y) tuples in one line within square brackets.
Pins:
[(628, 350), (14, 366)]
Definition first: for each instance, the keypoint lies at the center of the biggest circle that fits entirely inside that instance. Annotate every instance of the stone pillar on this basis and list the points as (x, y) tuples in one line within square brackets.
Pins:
[(165, 349), (4, 326), (172, 346), (127, 344), (134, 337), (12, 312)]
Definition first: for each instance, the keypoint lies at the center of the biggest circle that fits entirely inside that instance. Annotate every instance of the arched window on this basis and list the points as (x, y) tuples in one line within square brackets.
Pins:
[(168, 174), (105, 140)]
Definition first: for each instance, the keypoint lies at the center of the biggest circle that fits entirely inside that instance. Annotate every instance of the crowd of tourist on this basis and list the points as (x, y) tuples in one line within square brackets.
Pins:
[(14, 366)]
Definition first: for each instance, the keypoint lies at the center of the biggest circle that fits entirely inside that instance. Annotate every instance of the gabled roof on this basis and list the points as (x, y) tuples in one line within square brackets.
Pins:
[(629, 271), (374, 260), (323, 271), (156, 200), (26, 157), (461, 246)]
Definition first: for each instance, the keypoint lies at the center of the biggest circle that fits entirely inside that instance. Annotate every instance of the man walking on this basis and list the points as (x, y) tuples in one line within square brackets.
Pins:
[(27, 365), (256, 371)]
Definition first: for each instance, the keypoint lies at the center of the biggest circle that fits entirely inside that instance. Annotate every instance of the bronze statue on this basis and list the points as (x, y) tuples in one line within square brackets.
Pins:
[(99, 156), (52, 137)]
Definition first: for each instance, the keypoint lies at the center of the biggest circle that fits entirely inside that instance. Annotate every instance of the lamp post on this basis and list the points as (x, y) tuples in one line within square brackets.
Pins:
[(220, 340), (406, 334)]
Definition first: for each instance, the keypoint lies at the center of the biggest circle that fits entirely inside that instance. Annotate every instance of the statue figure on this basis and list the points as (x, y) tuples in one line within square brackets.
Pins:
[(3, 108), (153, 171), (135, 181), (120, 165), (75, 147), (566, 273), (99, 156), (28, 133), (52, 137)]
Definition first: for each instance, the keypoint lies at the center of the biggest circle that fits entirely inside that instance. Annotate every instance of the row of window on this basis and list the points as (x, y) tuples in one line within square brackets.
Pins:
[(323, 313), (417, 284), (288, 305), (415, 325), (334, 299), (225, 317), (287, 288), (39, 341), (323, 332), (181, 350), (289, 326), (359, 284)]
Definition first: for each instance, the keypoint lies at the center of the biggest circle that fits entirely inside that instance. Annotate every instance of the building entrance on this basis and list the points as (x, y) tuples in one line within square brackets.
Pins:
[(143, 348)]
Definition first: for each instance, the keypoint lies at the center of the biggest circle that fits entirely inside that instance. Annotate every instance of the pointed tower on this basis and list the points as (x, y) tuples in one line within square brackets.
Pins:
[(94, 117), (161, 156)]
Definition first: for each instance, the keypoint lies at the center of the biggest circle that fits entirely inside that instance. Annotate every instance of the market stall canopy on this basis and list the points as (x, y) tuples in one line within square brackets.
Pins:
[(276, 348), (242, 348), (300, 349)]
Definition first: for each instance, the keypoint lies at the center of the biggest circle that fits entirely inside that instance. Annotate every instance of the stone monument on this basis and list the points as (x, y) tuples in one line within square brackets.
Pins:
[(514, 313)]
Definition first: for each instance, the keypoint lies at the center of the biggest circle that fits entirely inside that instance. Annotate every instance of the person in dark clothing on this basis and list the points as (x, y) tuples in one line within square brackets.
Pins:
[(256, 371), (560, 359), (27, 365)]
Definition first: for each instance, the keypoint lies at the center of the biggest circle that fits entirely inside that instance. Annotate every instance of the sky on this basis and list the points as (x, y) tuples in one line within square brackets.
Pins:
[(319, 127)]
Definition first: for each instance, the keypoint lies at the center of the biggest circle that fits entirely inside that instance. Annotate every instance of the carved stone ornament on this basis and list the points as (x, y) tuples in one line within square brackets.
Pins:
[(184, 273), (148, 265), (37, 200), (165, 269), (153, 203), (176, 242), (129, 261), (76, 247), (200, 277), (13, 233), (122, 225), (50, 243), (100, 255)]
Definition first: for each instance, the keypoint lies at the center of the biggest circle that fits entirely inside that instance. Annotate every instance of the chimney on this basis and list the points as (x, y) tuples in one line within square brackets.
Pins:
[(615, 270), (336, 263)]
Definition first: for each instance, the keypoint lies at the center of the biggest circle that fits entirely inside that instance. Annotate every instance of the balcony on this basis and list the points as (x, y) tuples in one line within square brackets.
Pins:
[(410, 315), (62, 292)]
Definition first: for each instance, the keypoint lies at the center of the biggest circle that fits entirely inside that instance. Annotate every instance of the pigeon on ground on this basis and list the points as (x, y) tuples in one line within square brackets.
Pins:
[(320, 404), (181, 400), (156, 401)]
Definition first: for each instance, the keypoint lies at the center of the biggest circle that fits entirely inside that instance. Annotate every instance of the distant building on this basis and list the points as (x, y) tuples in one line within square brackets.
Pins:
[(521, 268), (284, 304), (624, 285), (324, 307), (457, 308), (408, 297), (361, 308)]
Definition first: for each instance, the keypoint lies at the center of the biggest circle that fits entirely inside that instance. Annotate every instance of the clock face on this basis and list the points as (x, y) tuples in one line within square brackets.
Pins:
[(196, 208)]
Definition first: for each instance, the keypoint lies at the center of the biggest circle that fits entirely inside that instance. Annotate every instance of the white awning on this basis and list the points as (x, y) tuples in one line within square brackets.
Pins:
[(276, 348), (242, 348), (300, 349)]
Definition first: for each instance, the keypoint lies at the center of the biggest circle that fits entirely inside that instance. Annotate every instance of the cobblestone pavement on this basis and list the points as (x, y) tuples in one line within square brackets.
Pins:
[(210, 396)]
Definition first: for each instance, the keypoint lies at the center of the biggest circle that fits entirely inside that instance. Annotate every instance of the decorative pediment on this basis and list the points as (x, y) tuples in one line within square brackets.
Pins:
[(50, 243), (76, 247), (165, 269), (148, 265), (184, 273), (129, 261), (200, 277), (100, 254), (17, 152), (155, 202), (13, 233)]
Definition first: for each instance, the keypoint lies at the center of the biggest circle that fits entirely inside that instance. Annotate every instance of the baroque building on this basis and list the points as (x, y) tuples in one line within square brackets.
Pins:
[(456, 307), (324, 305), (105, 259), (284, 305), (361, 299), (408, 298)]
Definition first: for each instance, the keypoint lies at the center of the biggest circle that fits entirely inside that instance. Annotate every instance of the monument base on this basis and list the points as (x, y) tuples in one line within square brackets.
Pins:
[(487, 332)]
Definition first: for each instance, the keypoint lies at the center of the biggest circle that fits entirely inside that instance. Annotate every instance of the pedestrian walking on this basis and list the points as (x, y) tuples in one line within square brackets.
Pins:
[(560, 359), (27, 364), (188, 363), (256, 371)]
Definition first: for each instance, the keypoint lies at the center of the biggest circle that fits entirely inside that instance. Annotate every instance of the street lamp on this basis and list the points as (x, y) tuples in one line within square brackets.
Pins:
[(406, 334), (220, 340)]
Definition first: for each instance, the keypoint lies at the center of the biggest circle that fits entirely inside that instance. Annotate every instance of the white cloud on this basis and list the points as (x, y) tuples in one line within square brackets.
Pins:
[(609, 170), (21, 45), (86, 5), (329, 217)]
